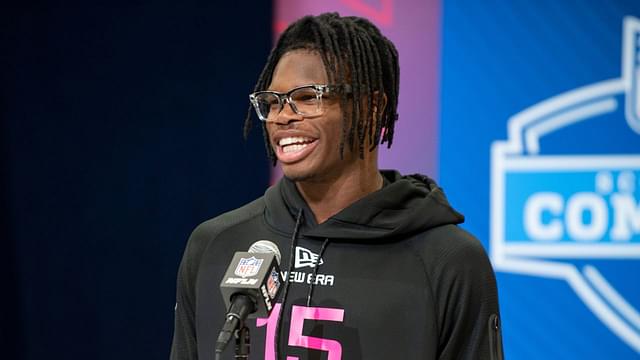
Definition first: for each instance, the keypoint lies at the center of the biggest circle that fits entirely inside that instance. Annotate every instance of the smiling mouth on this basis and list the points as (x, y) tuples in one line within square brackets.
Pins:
[(294, 144), (294, 148)]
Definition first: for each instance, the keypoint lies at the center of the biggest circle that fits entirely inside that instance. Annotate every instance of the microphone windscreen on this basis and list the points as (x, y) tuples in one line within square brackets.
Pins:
[(265, 246)]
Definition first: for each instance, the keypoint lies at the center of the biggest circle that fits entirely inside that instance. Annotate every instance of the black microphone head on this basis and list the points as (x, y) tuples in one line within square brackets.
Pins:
[(250, 287), (255, 273), (265, 246)]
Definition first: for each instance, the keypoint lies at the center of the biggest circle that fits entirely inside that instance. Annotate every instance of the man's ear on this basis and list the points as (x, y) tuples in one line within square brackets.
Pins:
[(378, 106)]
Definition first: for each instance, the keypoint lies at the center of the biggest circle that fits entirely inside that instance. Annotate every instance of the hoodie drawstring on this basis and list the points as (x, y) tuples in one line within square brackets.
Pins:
[(294, 242), (315, 270)]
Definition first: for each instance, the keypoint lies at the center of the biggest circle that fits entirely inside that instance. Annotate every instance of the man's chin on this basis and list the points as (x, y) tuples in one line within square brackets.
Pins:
[(298, 177)]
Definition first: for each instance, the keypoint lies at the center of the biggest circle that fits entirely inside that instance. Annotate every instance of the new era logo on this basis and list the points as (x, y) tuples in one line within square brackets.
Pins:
[(306, 258)]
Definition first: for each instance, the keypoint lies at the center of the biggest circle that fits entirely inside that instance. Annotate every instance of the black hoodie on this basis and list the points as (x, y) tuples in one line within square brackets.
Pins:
[(395, 278)]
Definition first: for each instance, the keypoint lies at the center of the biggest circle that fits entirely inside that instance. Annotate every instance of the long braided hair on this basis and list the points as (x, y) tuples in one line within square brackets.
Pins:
[(354, 52)]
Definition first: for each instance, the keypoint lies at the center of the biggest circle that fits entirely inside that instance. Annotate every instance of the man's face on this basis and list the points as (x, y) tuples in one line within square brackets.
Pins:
[(308, 148)]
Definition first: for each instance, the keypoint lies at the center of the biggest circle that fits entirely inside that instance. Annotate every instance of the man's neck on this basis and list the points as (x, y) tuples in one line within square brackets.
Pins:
[(328, 198)]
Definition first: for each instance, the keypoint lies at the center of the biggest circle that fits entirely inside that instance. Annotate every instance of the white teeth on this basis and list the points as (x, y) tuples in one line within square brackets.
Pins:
[(293, 140), (293, 148)]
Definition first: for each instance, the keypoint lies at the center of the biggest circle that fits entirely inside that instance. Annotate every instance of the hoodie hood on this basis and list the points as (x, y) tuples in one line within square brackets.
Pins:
[(404, 205)]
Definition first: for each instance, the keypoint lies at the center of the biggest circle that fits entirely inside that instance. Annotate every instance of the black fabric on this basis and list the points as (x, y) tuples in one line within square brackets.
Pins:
[(407, 205), (285, 292), (398, 278)]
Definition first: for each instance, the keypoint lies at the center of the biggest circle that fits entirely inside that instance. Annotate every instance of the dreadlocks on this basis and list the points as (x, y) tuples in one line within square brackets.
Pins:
[(354, 52)]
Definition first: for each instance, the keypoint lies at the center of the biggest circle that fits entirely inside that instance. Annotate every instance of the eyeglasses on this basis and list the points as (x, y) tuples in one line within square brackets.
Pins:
[(304, 100)]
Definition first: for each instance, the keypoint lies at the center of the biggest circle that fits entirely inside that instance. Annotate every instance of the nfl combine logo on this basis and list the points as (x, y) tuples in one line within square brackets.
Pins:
[(574, 214), (248, 267)]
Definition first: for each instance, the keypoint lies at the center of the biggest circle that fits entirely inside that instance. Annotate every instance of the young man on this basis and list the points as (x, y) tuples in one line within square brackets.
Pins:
[(377, 267)]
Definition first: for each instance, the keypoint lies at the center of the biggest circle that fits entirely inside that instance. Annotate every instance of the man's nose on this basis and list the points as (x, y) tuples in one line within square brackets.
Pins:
[(287, 114)]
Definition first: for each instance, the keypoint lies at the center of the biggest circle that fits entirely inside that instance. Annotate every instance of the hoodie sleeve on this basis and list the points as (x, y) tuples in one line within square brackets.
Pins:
[(466, 296), (184, 345)]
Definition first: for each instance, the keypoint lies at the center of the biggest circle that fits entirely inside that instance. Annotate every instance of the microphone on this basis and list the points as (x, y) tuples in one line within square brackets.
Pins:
[(250, 285)]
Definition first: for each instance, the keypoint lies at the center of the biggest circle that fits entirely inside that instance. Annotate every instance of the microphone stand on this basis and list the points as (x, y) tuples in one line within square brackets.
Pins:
[(243, 342), (234, 326)]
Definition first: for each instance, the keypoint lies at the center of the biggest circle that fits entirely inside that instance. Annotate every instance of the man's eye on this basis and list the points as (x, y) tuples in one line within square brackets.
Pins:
[(307, 97), (304, 97), (268, 101)]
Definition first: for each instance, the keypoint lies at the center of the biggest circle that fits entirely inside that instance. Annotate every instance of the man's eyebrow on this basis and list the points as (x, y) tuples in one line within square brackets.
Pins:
[(295, 87)]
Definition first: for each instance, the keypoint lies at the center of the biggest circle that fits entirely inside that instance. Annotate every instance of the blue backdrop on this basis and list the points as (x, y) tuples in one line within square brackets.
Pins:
[(540, 149), (120, 131)]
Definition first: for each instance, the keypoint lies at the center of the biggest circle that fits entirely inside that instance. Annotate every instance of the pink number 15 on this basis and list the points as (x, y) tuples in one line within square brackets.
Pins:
[(298, 315)]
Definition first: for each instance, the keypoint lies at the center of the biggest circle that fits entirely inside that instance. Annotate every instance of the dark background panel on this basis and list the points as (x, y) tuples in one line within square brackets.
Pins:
[(121, 130)]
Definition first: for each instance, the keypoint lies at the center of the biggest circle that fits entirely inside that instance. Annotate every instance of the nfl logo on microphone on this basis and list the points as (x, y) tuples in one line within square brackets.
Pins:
[(567, 206), (248, 267), (273, 283)]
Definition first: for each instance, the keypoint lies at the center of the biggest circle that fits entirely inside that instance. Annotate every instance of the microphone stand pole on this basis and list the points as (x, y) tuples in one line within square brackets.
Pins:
[(243, 342)]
